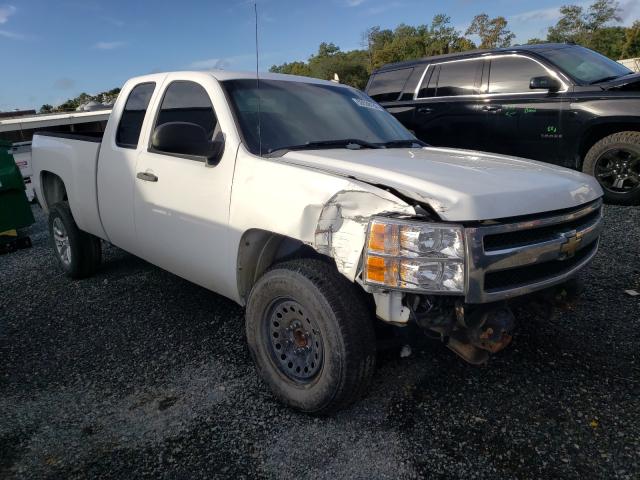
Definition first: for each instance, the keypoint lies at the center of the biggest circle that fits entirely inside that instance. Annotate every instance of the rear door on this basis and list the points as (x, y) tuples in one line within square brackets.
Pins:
[(523, 122), (121, 146), (181, 203), (448, 111)]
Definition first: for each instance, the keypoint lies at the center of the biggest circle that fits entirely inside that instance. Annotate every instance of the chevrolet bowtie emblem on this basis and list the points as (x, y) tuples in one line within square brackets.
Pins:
[(571, 244)]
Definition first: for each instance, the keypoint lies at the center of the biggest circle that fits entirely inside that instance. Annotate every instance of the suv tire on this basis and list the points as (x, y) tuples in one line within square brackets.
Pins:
[(615, 162), (311, 335)]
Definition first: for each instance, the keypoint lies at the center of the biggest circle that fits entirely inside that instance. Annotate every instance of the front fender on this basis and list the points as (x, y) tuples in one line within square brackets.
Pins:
[(327, 212)]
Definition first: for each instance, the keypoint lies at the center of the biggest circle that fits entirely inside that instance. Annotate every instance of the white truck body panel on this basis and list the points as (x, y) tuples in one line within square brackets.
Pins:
[(460, 185), (75, 162)]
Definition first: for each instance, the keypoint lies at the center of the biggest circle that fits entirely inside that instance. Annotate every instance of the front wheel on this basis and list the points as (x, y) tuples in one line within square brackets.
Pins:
[(615, 162), (311, 335)]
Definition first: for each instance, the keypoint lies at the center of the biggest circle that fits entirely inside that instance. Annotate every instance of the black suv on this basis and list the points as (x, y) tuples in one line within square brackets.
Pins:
[(557, 103)]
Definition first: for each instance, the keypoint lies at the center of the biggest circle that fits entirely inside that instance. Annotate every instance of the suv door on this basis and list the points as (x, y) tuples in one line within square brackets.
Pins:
[(448, 111), (523, 122), (181, 203)]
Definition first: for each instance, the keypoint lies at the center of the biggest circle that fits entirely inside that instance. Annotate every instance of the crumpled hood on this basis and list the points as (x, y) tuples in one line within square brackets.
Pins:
[(460, 185)]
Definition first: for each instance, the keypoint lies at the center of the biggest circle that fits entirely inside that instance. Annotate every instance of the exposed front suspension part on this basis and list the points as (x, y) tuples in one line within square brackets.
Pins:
[(471, 332)]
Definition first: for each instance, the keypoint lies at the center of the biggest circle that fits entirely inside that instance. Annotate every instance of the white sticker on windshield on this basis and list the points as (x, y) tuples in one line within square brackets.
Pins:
[(367, 104)]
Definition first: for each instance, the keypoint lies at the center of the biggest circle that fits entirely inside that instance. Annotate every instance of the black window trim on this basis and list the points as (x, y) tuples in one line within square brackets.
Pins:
[(127, 145), (563, 79), (194, 158)]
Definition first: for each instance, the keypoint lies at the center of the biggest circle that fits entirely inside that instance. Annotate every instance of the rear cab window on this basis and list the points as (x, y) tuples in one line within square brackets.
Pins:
[(128, 133), (513, 74), (387, 86)]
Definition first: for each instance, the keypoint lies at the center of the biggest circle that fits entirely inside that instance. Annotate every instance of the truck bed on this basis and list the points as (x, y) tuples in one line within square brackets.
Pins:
[(73, 157)]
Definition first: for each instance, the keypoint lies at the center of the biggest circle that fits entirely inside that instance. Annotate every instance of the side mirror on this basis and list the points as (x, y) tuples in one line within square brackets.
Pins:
[(545, 83), (184, 138)]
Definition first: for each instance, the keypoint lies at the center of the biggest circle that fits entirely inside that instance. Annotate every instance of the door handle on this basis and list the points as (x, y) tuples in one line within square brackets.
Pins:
[(491, 108), (147, 177), (425, 110)]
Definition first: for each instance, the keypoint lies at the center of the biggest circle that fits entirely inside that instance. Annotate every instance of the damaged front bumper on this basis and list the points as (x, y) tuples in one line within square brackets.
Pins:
[(532, 261), (474, 331)]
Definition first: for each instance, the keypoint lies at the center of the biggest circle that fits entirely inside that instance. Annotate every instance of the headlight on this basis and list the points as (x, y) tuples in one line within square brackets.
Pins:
[(415, 255)]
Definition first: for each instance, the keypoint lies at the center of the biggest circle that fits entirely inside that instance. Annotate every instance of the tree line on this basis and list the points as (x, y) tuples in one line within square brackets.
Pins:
[(593, 27), (73, 103)]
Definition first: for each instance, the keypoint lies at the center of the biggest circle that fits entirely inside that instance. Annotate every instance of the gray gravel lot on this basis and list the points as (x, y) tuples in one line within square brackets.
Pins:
[(137, 373)]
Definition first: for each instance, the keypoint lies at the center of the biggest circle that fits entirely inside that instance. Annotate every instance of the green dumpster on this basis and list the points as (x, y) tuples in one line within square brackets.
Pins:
[(15, 211)]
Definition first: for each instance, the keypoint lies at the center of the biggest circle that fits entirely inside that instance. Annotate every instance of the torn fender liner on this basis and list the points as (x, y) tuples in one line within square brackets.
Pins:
[(342, 226)]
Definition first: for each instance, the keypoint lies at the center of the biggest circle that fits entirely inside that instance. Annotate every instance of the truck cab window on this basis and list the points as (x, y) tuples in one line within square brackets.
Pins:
[(187, 102), (513, 74), (128, 132)]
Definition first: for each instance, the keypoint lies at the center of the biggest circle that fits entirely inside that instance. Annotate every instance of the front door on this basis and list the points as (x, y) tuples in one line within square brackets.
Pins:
[(182, 204), (523, 122)]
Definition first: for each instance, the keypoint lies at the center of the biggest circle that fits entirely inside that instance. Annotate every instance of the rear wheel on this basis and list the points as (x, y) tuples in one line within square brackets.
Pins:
[(311, 335), (79, 253), (615, 162)]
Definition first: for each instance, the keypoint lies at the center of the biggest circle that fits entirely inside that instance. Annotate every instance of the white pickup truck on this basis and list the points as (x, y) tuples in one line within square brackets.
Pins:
[(307, 203)]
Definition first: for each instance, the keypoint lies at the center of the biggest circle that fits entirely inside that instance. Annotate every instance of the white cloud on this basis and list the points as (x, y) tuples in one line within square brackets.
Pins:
[(12, 35), (551, 14), (5, 12), (109, 45), (354, 3), (629, 11), (225, 62), (209, 64)]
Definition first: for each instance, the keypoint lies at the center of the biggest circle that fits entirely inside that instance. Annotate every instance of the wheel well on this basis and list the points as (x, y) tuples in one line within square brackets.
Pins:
[(598, 132), (53, 189), (260, 249)]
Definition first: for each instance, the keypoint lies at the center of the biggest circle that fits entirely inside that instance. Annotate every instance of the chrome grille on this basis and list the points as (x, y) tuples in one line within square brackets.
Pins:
[(515, 258)]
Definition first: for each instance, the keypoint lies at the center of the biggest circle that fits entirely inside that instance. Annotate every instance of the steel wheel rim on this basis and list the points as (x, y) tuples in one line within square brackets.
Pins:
[(618, 170), (294, 341), (61, 240)]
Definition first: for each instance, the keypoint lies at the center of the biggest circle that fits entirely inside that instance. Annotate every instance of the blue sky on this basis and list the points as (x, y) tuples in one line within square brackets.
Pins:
[(52, 50)]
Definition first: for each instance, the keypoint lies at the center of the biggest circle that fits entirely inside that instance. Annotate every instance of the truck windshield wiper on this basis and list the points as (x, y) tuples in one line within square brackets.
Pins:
[(350, 143), (409, 143)]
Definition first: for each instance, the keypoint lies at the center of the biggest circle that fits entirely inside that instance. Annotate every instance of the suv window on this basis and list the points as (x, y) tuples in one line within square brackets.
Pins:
[(186, 101), (457, 78), (128, 132), (513, 74), (451, 79), (387, 86), (428, 88)]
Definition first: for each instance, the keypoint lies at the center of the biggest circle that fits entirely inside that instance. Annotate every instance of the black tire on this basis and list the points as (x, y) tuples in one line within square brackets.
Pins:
[(325, 301), (85, 249), (600, 162)]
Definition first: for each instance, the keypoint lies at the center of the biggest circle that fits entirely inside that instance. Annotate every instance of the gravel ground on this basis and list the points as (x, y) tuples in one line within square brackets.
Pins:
[(138, 373)]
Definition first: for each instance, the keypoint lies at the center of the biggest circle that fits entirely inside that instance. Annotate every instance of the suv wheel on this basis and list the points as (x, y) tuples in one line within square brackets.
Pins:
[(79, 253), (615, 162), (311, 336)]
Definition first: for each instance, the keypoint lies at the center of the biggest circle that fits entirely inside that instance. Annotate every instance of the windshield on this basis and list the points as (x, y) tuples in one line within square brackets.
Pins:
[(585, 65), (293, 114)]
